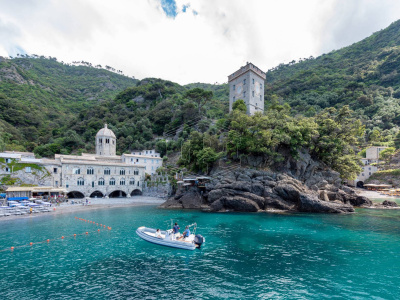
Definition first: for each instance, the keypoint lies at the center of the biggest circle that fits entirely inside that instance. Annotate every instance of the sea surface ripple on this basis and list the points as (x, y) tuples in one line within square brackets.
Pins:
[(246, 256)]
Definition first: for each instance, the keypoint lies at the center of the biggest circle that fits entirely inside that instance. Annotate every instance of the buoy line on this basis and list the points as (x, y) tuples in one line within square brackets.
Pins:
[(93, 222), (12, 248)]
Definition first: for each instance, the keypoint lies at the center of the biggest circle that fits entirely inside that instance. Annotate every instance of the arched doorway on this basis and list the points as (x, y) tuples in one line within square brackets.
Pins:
[(75, 195), (136, 192), (360, 184), (96, 194), (117, 194)]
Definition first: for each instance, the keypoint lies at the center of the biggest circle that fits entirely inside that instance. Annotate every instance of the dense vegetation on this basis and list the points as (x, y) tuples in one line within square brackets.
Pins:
[(40, 96), (328, 137), (364, 76), (50, 107)]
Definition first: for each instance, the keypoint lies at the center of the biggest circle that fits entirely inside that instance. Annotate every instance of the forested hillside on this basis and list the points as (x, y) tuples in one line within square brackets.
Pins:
[(364, 76), (51, 107), (40, 96)]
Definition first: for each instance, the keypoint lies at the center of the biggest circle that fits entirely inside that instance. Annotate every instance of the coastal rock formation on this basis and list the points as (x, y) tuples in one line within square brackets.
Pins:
[(389, 203), (251, 191)]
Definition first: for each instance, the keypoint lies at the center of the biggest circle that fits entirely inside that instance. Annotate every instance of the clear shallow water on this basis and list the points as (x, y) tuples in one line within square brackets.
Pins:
[(246, 256)]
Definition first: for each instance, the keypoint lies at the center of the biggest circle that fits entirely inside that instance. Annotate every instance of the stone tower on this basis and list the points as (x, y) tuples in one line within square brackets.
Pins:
[(247, 84), (106, 142)]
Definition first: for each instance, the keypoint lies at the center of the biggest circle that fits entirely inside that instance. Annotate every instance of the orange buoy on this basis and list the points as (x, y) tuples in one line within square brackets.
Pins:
[(86, 232), (98, 230), (101, 224), (54, 208), (31, 243), (74, 234), (104, 226), (48, 240), (97, 223), (62, 237), (12, 248)]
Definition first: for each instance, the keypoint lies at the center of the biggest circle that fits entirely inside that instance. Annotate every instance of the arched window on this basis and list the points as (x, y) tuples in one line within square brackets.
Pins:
[(107, 171), (81, 181), (122, 172), (136, 172), (132, 181), (90, 171), (100, 141), (122, 181), (76, 170), (101, 181), (112, 181)]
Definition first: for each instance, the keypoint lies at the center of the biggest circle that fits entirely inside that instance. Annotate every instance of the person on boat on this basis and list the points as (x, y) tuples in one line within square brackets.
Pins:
[(158, 234), (176, 228), (185, 234)]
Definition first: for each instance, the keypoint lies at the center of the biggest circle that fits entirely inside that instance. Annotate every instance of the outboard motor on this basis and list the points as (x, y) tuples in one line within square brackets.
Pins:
[(198, 240)]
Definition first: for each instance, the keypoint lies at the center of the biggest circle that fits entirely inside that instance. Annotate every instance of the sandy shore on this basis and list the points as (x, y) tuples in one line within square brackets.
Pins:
[(372, 194), (92, 205)]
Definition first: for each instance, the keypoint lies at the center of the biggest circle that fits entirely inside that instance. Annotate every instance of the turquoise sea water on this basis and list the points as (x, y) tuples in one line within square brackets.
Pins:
[(246, 256)]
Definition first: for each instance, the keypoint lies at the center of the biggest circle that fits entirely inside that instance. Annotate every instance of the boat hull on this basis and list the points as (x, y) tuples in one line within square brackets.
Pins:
[(141, 232)]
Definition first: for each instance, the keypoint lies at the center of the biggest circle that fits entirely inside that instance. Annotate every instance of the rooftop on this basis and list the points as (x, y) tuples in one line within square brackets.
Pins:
[(246, 68)]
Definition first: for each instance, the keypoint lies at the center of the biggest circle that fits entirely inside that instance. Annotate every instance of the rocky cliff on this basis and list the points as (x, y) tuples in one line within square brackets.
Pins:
[(299, 185)]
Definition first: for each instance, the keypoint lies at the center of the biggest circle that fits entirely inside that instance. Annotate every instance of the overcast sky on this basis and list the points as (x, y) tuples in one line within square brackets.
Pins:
[(191, 40)]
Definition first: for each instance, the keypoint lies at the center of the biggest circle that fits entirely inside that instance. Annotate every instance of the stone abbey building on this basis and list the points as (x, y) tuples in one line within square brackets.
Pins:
[(247, 84), (103, 174)]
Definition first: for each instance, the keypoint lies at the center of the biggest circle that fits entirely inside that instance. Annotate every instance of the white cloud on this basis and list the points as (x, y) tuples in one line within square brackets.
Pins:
[(138, 38)]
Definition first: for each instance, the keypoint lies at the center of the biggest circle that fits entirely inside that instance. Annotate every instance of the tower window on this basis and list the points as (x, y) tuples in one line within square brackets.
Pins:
[(81, 181), (244, 94), (132, 181), (234, 99), (252, 93), (253, 80), (76, 171), (234, 87), (107, 141), (100, 141), (244, 81), (260, 98)]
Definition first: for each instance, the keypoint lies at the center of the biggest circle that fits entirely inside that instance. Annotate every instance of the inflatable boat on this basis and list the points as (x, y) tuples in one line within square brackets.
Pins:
[(167, 238)]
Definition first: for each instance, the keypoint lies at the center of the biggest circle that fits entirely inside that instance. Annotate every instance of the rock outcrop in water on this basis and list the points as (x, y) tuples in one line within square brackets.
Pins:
[(251, 191), (300, 185)]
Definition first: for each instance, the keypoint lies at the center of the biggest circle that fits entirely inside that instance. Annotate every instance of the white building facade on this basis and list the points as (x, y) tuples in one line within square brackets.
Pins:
[(103, 174), (247, 83), (372, 157), (150, 159)]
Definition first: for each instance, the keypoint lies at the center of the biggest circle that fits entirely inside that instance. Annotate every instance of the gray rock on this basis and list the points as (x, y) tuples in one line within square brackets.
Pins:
[(311, 204), (360, 201), (348, 190), (389, 203)]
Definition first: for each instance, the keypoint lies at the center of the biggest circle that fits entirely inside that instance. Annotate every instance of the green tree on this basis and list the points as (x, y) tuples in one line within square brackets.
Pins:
[(387, 154), (200, 96), (239, 105)]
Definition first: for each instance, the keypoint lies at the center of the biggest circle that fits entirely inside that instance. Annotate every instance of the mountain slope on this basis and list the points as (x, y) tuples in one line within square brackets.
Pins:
[(40, 95), (364, 75)]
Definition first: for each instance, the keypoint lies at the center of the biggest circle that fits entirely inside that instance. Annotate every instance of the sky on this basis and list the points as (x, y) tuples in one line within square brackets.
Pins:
[(188, 41)]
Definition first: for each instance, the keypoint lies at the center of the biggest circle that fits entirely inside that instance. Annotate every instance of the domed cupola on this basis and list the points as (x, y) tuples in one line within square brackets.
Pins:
[(106, 142)]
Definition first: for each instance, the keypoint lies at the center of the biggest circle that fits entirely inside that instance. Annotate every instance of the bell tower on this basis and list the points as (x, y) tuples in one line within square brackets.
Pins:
[(106, 142)]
